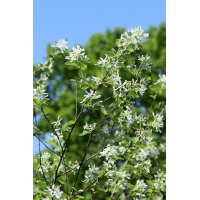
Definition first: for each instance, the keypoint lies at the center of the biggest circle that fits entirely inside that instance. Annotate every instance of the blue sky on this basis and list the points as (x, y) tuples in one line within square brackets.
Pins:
[(78, 20)]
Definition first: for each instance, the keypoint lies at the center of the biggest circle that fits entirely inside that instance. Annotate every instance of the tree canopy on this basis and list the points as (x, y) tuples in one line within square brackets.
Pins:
[(64, 94)]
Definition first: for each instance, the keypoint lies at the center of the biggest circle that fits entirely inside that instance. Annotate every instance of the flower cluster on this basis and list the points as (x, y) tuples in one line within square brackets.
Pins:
[(133, 37), (157, 122), (91, 174), (76, 54), (162, 80), (61, 45), (123, 149), (89, 127), (54, 191), (90, 96), (45, 162)]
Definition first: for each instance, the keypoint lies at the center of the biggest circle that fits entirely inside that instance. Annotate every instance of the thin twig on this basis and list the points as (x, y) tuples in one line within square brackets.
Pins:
[(45, 145), (52, 128)]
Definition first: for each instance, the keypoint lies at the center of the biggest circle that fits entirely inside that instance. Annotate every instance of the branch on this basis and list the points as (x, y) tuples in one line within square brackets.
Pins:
[(45, 145)]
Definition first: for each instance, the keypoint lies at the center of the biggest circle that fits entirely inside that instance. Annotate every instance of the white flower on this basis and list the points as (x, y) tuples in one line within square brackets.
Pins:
[(44, 162), (97, 80), (54, 191), (144, 61), (77, 53), (126, 116), (91, 174), (108, 152), (90, 96), (163, 147), (45, 156), (40, 94), (58, 122), (61, 44), (153, 152), (141, 185), (90, 127), (161, 80), (133, 37), (104, 62), (157, 123), (141, 89), (144, 58)]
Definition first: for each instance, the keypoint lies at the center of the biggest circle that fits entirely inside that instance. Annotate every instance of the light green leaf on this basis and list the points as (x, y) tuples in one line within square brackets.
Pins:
[(110, 53), (135, 139), (84, 86), (70, 122), (84, 133), (70, 63)]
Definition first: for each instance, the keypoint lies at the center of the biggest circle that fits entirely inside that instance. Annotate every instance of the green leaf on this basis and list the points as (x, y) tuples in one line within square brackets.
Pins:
[(110, 53), (83, 67), (122, 59), (148, 78), (97, 97), (84, 133), (86, 105), (135, 139), (70, 63), (70, 122), (147, 175), (149, 182), (112, 122), (79, 197), (35, 160), (73, 80), (130, 49), (84, 86), (133, 94), (150, 190), (100, 74), (50, 142), (118, 41), (39, 191), (104, 112)]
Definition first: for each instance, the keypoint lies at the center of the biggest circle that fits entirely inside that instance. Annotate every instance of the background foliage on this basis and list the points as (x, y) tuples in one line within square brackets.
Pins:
[(62, 91)]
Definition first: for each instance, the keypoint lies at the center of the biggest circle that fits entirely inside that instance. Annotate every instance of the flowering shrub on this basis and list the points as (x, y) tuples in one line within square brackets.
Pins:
[(124, 146)]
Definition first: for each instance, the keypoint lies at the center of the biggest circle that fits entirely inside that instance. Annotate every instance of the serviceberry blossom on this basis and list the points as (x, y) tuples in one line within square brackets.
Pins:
[(39, 94), (44, 162), (58, 122), (126, 117), (141, 87), (97, 80), (163, 147), (89, 96), (144, 58), (119, 88), (43, 79), (91, 174), (46, 65), (157, 123), (160, 180), (76, 54), (120, 176), (140, 186), (89, 127), (104, 62), (61, 45), (145, 62), (133, 37), (140, 119), (54, 191), (108, 152), (162, 80)]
